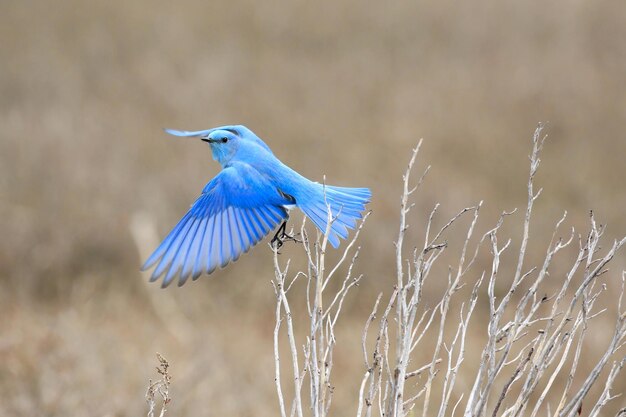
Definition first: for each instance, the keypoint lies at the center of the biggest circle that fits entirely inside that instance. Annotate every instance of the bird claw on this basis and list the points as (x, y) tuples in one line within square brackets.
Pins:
[(278, 241), (281, 237)]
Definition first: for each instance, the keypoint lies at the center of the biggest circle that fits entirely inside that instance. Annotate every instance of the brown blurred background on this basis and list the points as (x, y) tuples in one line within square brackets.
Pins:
[(343, 89)]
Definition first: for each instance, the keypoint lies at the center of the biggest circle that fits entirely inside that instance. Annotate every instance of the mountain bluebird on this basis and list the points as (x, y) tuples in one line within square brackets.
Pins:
[(250, 197)]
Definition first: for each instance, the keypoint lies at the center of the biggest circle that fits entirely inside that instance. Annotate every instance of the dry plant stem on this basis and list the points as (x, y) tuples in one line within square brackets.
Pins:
[(319, 345), (370, 368), (398, 381), (402, 342), (561, 321), (379, 368), (279, 389), (409, 299), (318, 391), (489, 368), (606, 393), (534, 337), (453, 368), (404, 209), (282, 301), (453, 286), (548, 345), (411, 329), (513, 378), (616, 343), (562, 326), (159, 387)]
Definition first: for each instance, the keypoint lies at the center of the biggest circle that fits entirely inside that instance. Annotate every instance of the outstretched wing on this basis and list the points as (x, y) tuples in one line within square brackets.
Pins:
[(233, 213), (187, 133)]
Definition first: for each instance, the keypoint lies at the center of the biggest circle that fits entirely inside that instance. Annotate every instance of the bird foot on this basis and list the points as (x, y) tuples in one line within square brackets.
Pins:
[(281, 237)]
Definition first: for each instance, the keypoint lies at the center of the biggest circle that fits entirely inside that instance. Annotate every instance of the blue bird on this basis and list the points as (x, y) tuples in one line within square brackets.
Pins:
[(249, 198)]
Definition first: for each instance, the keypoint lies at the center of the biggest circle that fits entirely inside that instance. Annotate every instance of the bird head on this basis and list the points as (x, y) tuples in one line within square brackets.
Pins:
[(224, 143), (225, 140)]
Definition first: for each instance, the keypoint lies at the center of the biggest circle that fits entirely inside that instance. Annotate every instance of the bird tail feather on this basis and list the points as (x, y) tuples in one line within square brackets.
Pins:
[(346, 208)]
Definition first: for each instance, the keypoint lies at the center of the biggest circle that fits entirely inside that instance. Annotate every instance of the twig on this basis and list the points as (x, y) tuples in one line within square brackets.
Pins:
[(159, 387)]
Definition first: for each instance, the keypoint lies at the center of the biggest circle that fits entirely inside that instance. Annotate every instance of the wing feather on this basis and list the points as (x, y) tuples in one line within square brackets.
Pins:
[(198, 262), (253, 225), (214, 246), (263, 216), (192, 252), (158, 253), (178, 261), (244, 237), (234, 212), (171, 249), (234, 230), (226, 240), (204, 254)]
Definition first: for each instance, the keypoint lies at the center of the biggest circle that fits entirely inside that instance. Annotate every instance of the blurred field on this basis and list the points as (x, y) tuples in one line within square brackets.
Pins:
[(342, 89)]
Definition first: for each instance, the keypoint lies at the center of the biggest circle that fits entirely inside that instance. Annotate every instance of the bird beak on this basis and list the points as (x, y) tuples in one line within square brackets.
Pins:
[(207, 139)]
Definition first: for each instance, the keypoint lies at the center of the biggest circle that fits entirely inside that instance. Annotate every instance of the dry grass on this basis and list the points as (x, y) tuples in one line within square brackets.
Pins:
[(340, 89)]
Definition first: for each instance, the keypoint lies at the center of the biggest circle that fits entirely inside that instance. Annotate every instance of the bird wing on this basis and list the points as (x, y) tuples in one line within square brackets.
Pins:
[(188, 133), (234, 212)]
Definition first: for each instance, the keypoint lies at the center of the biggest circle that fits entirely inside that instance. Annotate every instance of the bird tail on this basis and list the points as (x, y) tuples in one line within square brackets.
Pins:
[(346, 207)]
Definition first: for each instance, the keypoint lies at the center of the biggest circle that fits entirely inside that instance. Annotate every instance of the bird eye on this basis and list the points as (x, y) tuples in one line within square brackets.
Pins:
[(224, 140)]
